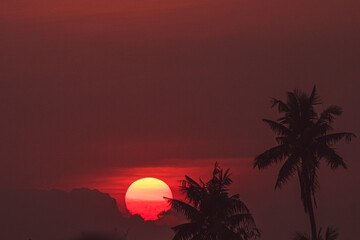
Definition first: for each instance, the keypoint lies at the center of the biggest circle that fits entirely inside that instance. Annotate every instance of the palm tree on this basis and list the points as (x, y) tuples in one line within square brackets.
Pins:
[(213, 214), (303, 139), (330, 234)]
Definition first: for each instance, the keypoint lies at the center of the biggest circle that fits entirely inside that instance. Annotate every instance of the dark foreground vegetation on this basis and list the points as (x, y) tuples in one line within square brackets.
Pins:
[(212, 212)]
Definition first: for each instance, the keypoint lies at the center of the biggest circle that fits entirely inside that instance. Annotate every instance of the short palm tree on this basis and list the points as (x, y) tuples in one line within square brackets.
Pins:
[(303, 139), (330, 234), (213, 214)]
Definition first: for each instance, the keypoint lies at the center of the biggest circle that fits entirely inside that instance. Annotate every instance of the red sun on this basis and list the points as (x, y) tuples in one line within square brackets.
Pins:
[(145, 197)]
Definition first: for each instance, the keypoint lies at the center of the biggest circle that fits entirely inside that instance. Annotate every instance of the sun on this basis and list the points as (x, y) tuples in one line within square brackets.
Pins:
[(145, 197)]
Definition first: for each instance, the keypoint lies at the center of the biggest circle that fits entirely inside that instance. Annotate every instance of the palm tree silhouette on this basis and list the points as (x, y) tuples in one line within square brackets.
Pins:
[(303, 139), (330, 234), (213, 214)]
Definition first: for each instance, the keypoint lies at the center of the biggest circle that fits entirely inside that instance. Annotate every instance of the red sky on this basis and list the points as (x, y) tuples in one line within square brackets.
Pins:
[(96, 92)]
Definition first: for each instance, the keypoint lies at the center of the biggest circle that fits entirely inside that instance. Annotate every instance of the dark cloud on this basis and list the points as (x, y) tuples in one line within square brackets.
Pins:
[(59, 215)]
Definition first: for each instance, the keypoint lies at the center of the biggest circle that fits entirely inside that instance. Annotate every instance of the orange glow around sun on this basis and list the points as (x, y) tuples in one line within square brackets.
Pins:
[(145, 197)]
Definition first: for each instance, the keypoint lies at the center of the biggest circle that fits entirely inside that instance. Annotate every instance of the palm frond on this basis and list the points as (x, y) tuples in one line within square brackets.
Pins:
[(225, 178), (328, 115), (331, 233), (192, 190), (241, 219), (216, 169), (323, 128), (189, 211), (192, 181), (237, 206), (336, 137), (278, 128), (292, 102), (271, 156), (224, 232), (282, 107), (281, 140), (314, 99), (185, 231), (287, 170), (333, 159), (301, 236)]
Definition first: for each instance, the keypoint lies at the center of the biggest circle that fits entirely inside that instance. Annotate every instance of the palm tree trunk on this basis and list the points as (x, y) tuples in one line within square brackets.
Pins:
[(307, 201), (311, 216)]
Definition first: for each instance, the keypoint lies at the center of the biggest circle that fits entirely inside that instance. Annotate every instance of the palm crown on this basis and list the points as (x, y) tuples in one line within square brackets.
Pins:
[(213, 214)]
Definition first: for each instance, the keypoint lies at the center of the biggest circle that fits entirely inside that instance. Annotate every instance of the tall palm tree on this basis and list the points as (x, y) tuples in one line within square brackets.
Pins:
[(330, 234), (213, 214), (303, 139)]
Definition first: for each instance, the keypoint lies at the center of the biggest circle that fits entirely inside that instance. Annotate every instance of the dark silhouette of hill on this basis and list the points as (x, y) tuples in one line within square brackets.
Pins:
[(60, 215)]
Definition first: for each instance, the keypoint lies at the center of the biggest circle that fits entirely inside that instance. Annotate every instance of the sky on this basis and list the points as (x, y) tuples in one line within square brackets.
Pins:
[(99, 93)]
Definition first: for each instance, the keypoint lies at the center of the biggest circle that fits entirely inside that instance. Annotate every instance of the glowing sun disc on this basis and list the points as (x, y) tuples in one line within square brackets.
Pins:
[(145, 197)]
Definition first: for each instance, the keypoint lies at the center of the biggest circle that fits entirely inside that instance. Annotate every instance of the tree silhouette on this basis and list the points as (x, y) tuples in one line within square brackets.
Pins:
[(330, 234), (213, 214), (303, 139)]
